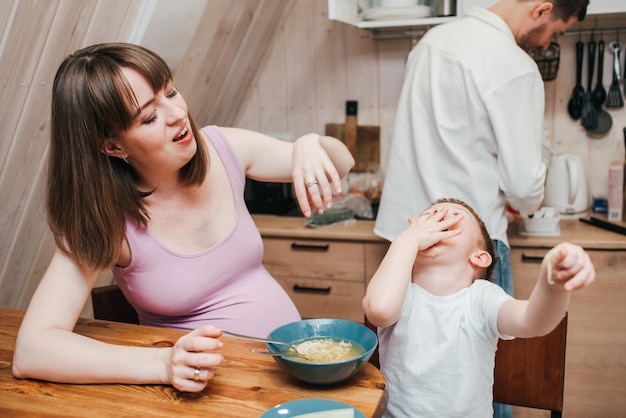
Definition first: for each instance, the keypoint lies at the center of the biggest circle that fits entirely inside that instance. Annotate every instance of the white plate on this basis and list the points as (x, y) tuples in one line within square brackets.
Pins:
[(397, 13), (306, 406)]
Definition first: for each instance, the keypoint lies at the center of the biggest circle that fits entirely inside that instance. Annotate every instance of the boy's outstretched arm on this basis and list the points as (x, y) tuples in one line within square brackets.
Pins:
[(565, 268)]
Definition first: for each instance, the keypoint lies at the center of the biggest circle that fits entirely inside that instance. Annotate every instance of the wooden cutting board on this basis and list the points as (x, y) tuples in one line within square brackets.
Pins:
[(367, 148)]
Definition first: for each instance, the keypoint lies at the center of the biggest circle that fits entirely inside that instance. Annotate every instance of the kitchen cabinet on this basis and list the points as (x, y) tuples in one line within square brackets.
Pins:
[(606, 7), (347, 11), (324, 270), (595, 370)]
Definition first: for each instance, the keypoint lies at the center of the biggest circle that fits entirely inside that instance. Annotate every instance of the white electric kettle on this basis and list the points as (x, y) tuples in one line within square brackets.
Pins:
[(566, 184)]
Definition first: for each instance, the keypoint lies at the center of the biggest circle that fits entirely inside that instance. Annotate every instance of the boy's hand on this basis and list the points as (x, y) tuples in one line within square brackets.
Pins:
[(570, 266), (432, 227)]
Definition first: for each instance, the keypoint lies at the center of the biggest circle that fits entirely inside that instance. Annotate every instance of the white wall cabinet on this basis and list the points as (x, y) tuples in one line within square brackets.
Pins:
[(348, 11), (606, 7)]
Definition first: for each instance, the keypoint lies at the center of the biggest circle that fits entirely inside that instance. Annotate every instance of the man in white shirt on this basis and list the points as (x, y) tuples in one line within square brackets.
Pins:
[(469, 123)]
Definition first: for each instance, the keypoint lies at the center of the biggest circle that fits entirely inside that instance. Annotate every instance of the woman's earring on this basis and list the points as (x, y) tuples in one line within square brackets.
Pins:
[(125, 159)]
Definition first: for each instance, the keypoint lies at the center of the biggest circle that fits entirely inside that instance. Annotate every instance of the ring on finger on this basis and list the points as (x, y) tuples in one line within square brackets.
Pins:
[(310, 183), (196, 374)]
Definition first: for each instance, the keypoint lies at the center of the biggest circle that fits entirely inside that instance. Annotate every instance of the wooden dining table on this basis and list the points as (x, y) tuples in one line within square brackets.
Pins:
[(245, 385)]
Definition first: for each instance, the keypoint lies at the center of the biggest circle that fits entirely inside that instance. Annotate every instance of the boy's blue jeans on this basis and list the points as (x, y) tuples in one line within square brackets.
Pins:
[(503, 276)]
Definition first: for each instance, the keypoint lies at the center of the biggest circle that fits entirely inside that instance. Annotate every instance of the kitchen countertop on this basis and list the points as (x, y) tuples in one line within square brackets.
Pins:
[(273, 226), (572, 230)]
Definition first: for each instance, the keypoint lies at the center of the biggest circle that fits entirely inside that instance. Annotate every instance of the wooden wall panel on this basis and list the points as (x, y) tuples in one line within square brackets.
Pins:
[(331, 74), (391, 66), (300, 74), (230, 47), (316, 65), (16, 78), (24, 152), (48, 30)]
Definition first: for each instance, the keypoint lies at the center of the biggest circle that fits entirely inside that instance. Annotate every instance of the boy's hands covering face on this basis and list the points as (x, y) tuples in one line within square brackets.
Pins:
[(431, 227)]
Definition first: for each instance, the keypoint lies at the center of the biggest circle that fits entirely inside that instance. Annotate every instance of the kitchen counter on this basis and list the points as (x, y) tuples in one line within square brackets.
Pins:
[(572, 230), (294, 227)]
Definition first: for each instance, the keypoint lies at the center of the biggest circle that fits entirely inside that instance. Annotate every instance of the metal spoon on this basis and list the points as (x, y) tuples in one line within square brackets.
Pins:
[(281, 354), (261, 340)]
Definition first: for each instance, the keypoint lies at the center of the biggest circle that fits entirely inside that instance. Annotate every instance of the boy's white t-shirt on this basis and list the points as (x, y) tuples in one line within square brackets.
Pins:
[(438, 359)]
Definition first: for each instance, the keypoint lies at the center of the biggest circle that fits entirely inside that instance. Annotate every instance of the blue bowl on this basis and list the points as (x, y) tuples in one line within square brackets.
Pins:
[(323, 373)]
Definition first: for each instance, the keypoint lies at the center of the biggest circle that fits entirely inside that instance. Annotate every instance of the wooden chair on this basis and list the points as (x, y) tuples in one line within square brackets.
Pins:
[(529, 372), (109, 303)]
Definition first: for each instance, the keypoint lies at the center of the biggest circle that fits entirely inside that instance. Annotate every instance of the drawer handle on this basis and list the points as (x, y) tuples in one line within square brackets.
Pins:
[(310, 289), (309, 247), (532, 258)]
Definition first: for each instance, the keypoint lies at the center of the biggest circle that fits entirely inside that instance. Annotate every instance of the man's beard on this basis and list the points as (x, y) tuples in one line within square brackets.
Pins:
[(528, 41)]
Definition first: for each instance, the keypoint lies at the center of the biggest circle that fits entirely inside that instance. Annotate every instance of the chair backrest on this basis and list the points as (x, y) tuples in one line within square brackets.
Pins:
[(109, 303), (529, 372)]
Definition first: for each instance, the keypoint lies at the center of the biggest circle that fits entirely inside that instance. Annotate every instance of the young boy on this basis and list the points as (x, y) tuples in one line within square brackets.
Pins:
[(439, 326)]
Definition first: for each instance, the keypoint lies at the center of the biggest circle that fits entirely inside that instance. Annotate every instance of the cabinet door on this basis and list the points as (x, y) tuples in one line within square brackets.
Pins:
[(606, 6), (316, 298), (325, 279), (318, 259), (595, 371)]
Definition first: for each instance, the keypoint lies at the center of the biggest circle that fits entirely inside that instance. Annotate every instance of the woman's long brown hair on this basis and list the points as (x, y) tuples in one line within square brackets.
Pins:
[(88, 192)]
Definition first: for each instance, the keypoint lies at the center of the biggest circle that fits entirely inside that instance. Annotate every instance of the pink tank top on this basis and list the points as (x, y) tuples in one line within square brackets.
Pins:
[(225, 285)]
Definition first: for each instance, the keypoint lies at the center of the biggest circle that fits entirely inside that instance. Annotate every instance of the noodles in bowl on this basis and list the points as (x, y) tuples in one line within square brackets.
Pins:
[(326, 350), (333, 349)]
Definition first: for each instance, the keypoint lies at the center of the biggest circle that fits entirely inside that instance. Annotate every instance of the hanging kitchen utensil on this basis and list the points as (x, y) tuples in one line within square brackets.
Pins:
[(599, 93), (589, 116), (605, 122), (625, 83), (574, 107), (547, 60), (614, 97)]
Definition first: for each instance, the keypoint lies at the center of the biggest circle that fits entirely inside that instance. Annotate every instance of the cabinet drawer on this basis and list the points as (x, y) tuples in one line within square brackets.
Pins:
[(374, 254), (325, 298), (526, 263), (314, 259)]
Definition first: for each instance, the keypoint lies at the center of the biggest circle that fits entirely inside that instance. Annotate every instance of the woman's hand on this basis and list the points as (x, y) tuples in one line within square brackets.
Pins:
[(314, 173), (192, 360)]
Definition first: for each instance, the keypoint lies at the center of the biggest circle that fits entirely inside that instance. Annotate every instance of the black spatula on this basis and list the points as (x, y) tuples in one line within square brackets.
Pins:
[(575, 105), (589, 116), (614, 97)]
